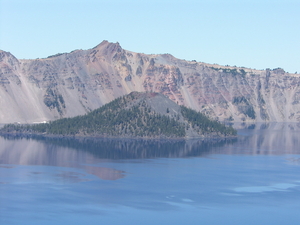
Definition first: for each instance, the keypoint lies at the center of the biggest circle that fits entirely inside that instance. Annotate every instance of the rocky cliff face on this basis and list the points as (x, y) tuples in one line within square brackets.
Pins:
[(70, 84)]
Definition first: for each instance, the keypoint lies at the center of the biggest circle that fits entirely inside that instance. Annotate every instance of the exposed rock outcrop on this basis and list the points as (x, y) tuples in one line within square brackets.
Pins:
[(70, 84)]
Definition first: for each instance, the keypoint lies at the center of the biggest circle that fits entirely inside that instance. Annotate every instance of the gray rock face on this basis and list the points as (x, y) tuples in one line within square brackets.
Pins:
[(70, 84)]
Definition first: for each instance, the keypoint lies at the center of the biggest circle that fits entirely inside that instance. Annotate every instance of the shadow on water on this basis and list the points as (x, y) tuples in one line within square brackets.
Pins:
[(115, 149)]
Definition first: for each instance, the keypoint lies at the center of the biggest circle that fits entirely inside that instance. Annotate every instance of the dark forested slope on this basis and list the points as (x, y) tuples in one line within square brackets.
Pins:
[(141, 115)]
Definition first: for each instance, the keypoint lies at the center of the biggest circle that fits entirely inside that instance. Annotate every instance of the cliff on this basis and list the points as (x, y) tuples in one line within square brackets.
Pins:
[(71, 84)]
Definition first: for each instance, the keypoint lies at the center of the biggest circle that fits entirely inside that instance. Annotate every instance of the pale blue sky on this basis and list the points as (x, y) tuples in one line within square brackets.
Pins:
[(257, 34)]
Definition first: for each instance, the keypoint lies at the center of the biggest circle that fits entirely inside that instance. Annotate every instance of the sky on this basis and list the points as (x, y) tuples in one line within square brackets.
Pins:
[(256, 34)]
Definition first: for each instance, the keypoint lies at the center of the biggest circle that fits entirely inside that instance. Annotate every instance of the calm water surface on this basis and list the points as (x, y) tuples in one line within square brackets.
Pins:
[(254, 179)]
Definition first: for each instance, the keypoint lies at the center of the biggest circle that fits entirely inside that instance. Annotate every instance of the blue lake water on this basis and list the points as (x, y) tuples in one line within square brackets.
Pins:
[(254, 179)]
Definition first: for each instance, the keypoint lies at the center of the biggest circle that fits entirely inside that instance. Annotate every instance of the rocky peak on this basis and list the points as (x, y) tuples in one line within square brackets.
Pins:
[(103, 43), (8, 59), (106, 47), (70, 84)]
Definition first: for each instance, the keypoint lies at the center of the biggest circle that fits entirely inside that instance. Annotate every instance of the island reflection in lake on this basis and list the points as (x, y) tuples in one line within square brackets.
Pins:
[(253, 179)]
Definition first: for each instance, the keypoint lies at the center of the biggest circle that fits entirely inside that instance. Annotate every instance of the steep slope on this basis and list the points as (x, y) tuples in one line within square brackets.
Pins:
[(70, 84), (142, 115)]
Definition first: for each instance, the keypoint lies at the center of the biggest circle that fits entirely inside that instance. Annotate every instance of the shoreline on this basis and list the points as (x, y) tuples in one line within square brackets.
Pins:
[(82, 137)]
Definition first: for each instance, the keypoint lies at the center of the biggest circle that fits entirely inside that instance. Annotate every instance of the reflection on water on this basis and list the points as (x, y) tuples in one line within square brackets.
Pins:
[(80, 153), (294, 160), (247, 180), (268, 139), (255, 139), (7, 167), (105, 173), (26, 151), (129, 148), (67, 176), (260, 138)]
